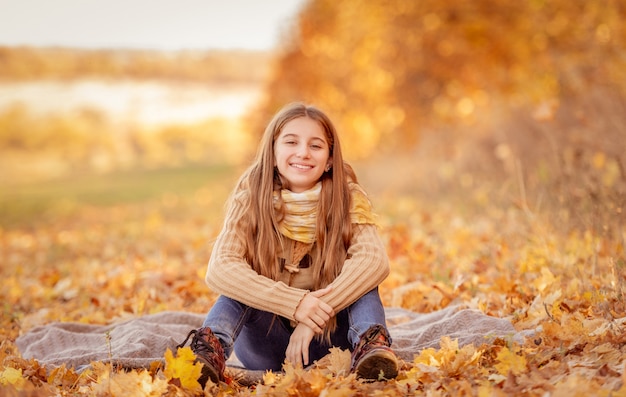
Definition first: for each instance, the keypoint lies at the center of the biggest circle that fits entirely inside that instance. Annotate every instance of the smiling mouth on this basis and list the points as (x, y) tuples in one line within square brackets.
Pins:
[(301, 166)]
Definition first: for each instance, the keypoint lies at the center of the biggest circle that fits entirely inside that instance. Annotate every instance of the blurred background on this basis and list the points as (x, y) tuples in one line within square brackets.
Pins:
[(469, 104)]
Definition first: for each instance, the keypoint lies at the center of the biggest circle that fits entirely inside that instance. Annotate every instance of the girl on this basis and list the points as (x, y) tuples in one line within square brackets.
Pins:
[(298, 261)]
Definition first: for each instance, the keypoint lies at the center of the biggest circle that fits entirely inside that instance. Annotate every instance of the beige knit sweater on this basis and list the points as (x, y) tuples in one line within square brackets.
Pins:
[(230, 275)]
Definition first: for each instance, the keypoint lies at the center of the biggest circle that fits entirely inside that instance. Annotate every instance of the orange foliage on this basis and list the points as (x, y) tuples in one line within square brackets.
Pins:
[(150, 257), (529, 112), (527, 95), (390, 70), (217, 66)]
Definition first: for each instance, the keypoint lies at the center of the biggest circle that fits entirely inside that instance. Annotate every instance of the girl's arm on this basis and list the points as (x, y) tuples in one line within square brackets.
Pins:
[(230, 275), (366, 268)]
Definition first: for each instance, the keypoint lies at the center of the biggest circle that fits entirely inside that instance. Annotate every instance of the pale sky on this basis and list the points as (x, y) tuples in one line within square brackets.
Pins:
[(150, 24)]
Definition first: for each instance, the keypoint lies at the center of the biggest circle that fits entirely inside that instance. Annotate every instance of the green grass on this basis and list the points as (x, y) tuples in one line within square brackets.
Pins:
[(29, 203)]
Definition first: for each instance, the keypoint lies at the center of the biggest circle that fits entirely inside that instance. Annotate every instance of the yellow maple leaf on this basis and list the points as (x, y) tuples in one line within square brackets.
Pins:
[(448, 349), (270, 378), (130, 384), (340, 361), (428, 356), (510, 361), (485, 389), (12, 376), (183, 367)]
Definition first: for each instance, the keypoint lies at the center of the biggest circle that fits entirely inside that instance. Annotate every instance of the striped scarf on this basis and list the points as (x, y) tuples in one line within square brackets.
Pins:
[(300, 218)]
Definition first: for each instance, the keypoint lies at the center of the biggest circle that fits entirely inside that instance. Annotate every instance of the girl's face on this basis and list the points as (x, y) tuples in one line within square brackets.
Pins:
[(302, 153)]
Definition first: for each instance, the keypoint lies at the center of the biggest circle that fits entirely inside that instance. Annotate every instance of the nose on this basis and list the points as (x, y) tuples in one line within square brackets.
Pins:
[(303, 151)]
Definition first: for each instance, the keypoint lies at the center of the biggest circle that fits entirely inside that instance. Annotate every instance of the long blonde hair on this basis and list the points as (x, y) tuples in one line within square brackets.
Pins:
[(252, 203)]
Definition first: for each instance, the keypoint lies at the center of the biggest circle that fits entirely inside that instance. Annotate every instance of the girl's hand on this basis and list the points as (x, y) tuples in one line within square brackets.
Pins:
[(314, 312), (298, 349)]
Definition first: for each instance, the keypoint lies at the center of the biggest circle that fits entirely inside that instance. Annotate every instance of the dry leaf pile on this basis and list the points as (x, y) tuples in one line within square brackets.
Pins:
[(105, 264)]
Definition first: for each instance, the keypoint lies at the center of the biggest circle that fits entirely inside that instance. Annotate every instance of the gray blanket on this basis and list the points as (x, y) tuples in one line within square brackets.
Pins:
[(140, 341)]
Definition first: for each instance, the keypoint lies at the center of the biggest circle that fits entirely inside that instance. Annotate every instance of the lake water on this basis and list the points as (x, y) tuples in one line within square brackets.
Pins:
[(141, 102)]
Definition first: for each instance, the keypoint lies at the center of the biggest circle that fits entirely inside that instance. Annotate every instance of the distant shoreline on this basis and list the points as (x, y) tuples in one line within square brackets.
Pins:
[(58, 63)]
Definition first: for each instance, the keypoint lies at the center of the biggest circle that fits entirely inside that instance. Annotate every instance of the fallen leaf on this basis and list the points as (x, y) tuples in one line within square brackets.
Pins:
[(510, 361), (12, 376), (183, 368)]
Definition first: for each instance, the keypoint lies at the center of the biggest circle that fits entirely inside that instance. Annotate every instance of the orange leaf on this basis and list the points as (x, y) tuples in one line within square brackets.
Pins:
[(510, 361)]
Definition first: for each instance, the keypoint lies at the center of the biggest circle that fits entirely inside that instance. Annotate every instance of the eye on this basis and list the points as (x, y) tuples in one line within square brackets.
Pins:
[(316, 146)]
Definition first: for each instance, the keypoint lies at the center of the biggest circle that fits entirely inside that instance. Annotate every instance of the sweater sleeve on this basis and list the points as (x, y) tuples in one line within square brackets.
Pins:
[(366, 267), (229, 274)]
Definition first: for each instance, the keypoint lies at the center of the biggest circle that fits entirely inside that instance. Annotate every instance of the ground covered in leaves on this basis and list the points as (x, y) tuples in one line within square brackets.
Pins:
[(110, 263)]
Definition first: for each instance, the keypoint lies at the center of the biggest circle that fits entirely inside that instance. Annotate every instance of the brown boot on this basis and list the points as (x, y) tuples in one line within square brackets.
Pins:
[(209, 352), (373, 358)]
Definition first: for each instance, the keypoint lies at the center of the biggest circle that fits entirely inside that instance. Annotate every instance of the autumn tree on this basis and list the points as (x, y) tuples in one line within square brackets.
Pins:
[(537, 83), (394, 67)]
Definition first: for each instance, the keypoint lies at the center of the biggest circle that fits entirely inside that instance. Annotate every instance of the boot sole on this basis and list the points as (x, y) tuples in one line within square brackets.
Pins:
[(208, 372), (378, 365)]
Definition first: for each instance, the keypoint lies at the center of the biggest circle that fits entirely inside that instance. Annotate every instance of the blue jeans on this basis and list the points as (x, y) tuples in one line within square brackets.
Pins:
[(260, 338)]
